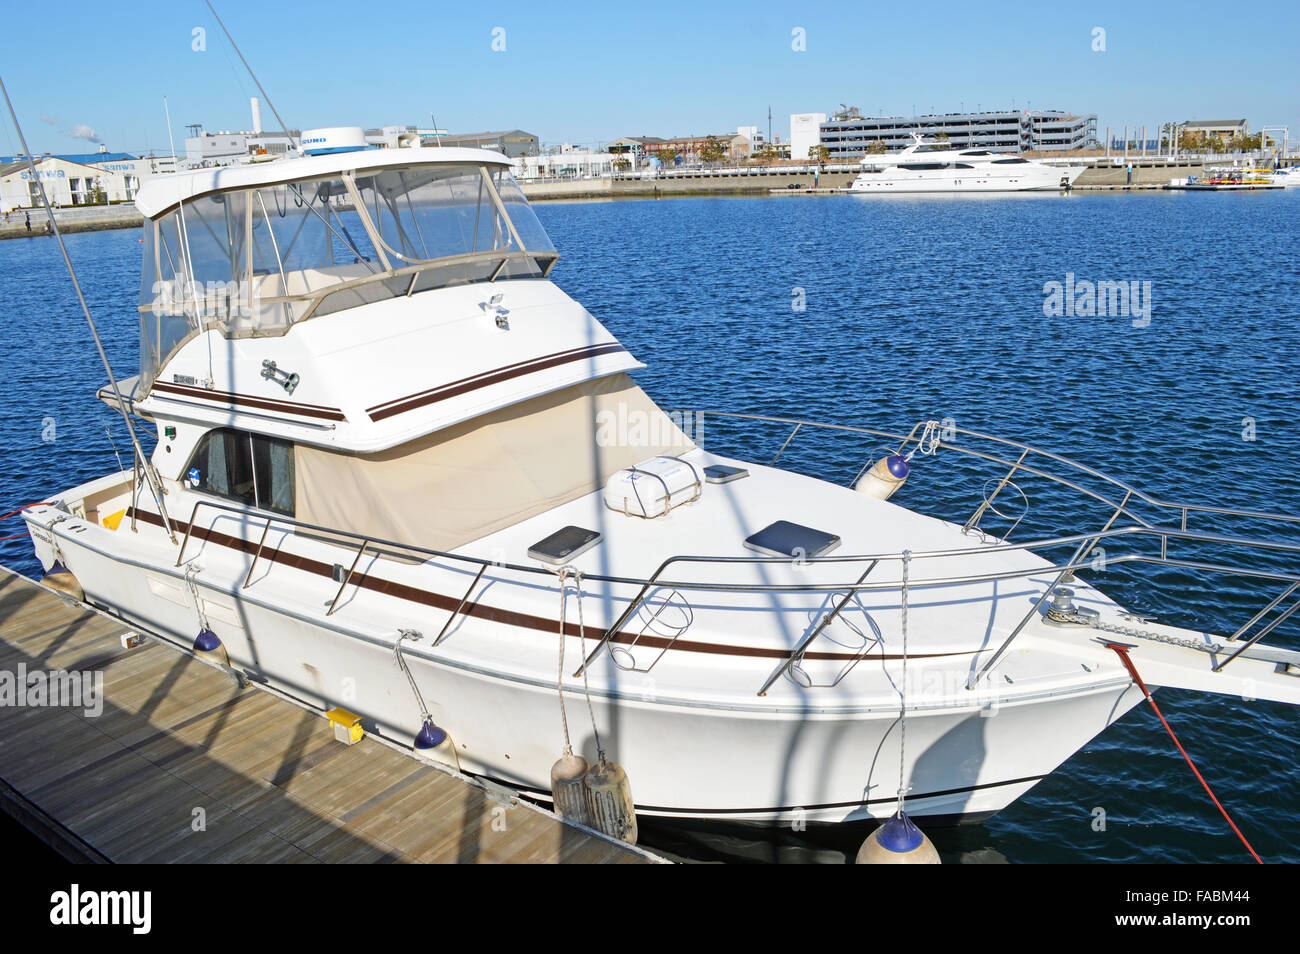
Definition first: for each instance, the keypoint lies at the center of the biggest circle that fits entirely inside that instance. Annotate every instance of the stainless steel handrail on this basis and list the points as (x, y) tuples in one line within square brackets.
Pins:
[(909, 438), (825, 621), (376, 544), (1083, 542)]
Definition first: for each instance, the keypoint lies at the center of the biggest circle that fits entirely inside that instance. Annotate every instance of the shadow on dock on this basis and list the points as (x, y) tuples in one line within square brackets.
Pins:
[(180, 764)]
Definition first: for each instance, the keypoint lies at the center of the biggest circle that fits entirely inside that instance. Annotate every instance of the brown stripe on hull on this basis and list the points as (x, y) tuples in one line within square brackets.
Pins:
[(494, 614), (456, 388), (248, 400), (474, 377)]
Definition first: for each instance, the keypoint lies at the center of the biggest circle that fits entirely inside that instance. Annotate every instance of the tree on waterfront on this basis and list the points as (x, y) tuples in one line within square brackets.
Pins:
[(819, 153), (667, 156), (712, 151), (1246, 143), (875, 148)]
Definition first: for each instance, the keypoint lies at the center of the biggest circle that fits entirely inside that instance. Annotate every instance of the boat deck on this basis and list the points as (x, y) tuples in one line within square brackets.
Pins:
[(178, 741)]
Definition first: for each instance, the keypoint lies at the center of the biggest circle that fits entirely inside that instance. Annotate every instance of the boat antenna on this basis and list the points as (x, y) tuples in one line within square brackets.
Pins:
[(150, 475), (284, 128)]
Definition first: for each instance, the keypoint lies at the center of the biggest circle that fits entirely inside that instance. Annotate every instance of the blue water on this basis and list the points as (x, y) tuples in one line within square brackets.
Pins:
[(914, 309)]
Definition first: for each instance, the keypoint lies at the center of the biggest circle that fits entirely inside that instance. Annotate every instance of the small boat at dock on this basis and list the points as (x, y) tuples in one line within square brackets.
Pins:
[(1229, 179)]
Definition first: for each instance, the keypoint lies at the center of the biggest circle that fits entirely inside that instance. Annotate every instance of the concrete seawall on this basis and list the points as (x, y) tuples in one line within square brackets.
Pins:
[(703, 183), (1143, 175), (760, 183), (83, 219)]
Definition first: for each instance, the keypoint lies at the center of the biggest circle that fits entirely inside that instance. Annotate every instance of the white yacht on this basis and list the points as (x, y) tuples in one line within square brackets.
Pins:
[(929, 166), (399, 471)]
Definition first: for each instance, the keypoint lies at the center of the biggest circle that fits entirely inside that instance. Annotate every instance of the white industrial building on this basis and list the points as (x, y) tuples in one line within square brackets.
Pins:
[(805, 133), (66, 184), (76, 180)]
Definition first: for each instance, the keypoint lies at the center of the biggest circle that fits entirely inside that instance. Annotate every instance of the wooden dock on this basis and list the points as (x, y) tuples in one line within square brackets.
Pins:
[(184, 765)]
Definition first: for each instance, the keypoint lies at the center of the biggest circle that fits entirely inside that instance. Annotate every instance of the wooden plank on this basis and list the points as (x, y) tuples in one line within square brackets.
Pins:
[(185, 765)]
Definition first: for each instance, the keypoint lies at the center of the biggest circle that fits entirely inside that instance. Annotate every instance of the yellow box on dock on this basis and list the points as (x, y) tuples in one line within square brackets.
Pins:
[(347, 726)]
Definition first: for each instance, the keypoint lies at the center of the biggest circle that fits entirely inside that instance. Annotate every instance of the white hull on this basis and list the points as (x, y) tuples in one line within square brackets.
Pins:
[(1033, 179), (931, 167), (755, 763)]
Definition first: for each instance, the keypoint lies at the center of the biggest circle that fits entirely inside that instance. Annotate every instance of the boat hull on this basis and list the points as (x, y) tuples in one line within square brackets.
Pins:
[(1031, 179), (753, 764)]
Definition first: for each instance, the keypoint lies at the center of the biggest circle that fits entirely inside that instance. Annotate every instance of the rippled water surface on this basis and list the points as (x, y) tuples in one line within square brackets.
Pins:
[(913, 309)]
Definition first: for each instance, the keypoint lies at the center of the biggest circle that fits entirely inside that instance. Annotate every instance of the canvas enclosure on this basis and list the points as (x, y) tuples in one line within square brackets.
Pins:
[(469, 480)]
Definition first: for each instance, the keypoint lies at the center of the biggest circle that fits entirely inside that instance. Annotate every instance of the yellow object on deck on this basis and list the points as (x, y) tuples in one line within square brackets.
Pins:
[(113, 519), (347, 726)]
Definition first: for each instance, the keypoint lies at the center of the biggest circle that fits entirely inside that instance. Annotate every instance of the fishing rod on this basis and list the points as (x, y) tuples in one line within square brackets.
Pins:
[(151, 476)]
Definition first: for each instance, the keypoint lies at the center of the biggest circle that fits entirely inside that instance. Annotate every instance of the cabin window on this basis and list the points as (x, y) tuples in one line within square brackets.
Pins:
[(248, 468), (1009, 162)]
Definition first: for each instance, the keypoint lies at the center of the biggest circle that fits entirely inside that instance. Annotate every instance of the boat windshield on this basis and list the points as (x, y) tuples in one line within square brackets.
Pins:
[(252, 262)]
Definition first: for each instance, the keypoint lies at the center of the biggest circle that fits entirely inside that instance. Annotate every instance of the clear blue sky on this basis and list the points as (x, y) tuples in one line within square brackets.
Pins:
[(632, 68)]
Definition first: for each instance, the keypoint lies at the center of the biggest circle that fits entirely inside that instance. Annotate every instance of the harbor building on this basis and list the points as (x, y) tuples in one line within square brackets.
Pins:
[(511, 143), (848, 134), (688, 150), (1224, 130), (393, 137), (117, 177), (228, 147), (570, 164), (759, 144), (67, 183), (637, 149), (805, 133)]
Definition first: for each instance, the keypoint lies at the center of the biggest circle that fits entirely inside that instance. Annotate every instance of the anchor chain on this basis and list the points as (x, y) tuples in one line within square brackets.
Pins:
[(1093, 621)]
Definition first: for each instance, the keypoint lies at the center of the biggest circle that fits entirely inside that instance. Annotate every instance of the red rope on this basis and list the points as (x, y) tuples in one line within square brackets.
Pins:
[(15, 536), (43, 503), (1122, 652)]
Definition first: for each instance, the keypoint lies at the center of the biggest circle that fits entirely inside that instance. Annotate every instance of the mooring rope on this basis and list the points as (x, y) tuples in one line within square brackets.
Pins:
[(11, 513), (564, 573), (586, 686), (928, 444), (402, 664), (1122, 652), (190, 572)]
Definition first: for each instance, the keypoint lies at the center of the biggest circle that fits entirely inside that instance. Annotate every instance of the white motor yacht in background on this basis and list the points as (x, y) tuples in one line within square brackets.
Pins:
[(384, 434), (929, 166)]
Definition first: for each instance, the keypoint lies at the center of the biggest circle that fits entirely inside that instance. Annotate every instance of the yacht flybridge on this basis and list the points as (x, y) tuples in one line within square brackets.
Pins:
[(398, 470), (930, 166)]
